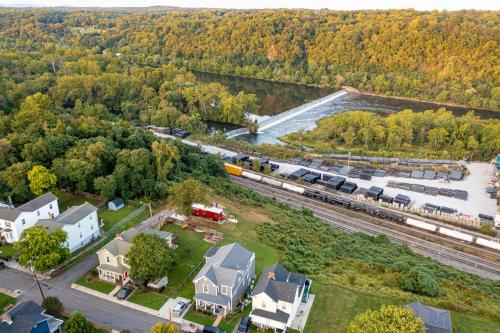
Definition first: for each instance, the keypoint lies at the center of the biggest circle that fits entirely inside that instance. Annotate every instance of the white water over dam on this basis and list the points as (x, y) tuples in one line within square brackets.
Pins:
[(287, 115)]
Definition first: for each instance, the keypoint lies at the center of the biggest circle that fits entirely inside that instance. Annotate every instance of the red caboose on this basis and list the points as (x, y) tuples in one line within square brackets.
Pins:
[(213, 213)]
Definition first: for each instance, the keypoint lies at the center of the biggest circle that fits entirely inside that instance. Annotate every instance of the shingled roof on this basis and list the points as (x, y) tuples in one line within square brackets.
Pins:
[(24, 316), (435, 320), (11, 214), (280, 284)]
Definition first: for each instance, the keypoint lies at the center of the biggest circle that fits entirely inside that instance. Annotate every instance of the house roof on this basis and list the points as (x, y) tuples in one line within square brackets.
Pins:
[(279, 284), (24, 316), (11, 214), (279, 315), (50, 225), (118, 269), (223, 263), (70, 217), (215, 299), (435, 320), (117, 247), (117, 201), (37, 203)]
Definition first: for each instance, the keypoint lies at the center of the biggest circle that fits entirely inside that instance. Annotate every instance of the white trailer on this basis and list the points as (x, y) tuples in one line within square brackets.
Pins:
[(294, 188), (271, 181), (488, 243), (251, 175), (421, 224), (455, 234)]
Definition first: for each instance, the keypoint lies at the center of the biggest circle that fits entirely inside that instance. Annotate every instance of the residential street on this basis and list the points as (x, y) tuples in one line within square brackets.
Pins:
[(94, 308)]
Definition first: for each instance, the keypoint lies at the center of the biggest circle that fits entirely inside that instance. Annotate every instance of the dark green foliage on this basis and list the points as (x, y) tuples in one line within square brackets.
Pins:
[(52, 305), (77, 323), (419, 281)]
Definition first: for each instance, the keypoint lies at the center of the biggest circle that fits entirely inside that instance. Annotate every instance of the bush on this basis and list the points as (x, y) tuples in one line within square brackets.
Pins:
[(388, 319), (420, 282), (77, 323), (52, 305)]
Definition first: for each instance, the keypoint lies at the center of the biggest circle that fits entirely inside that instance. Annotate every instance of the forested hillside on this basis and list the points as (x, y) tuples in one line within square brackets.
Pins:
[(430, 134), (439, 56)]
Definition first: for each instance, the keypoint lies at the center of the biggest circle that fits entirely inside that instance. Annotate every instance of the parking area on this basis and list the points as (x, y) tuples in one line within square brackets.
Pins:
[(167, 309), (475, 184)]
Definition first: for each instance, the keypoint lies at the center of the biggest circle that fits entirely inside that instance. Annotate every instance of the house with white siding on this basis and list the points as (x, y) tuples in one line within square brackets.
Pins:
[(80, 223), (13, 221), (277, 296)]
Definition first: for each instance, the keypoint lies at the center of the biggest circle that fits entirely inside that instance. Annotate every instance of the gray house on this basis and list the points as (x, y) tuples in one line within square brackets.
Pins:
[(435, 320), (29, 317), (222, 281)]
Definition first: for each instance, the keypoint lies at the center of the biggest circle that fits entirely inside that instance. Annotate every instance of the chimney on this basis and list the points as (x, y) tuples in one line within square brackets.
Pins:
[(6, 318), (271, 275)]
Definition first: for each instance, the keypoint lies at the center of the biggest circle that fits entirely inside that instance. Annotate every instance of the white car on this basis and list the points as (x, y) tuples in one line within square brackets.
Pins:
[(179, 308)]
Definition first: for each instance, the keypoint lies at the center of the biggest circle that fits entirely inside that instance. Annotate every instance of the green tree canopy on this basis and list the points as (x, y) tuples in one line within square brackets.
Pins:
[(41, 180), (42, 248), (387, 319), (77, 323), (183, 195), (161, 327), (166, 156), (150, 257), (419, 281)]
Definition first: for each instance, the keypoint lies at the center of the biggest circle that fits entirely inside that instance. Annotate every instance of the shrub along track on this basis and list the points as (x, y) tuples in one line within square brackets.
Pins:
[(458, 259)]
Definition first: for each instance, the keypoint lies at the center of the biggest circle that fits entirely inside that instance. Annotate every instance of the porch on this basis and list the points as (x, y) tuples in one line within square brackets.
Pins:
[(215, 304)]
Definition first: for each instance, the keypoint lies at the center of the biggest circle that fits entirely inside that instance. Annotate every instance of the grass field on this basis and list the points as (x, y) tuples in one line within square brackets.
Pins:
[(68, 199), (6, 300), (95, 283), (148, 299)]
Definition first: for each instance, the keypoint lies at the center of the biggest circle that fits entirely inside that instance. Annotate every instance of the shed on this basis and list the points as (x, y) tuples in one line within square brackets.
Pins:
[(435, 320), (116, 204)]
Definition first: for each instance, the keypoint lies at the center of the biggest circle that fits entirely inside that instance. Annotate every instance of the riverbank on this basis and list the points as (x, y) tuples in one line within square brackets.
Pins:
[(418, 100)]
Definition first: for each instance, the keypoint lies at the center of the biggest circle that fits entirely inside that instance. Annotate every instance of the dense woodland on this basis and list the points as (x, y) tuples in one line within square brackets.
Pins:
[(74, 130), (434, 134), (439, 56)]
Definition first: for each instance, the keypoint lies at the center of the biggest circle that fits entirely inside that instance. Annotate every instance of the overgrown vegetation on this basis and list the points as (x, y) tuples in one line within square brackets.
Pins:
[(430, 134), (356, 260)]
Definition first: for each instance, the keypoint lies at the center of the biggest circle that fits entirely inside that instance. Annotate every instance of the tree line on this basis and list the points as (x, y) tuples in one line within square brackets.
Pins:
[(438, 56), (430, 134)]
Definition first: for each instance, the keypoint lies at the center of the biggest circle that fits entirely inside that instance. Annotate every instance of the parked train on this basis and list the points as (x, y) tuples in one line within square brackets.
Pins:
[(367, 208)]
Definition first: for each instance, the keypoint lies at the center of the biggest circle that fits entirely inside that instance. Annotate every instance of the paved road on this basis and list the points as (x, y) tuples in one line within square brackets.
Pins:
[(96, 309)]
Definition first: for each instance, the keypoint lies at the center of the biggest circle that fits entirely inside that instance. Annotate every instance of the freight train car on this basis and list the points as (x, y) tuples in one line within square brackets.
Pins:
[(421, 225), (251, 175), (233, 169)]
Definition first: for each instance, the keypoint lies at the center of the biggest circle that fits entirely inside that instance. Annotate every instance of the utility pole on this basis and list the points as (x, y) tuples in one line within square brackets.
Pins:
[(37, 281)]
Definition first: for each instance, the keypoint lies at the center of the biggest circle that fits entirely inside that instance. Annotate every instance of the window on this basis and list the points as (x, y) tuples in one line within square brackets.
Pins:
[(23, 221), (263, 305), (91, 227), (79, 225), (107, 260), (37, 213), (50, 206), (80, 235), (7, 224), (90, 217), (224, 290), (205, 288), (283, 306)]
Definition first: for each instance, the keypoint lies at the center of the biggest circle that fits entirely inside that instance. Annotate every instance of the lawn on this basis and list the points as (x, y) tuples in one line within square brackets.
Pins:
[(95, 283), (344, 304), (6, 300), (68, 199), (111, 218), (198, 317), (148, 299), (7, 251)]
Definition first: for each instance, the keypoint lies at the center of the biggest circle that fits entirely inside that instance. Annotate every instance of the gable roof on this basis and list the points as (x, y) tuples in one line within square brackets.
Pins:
[(117, 247), (122, 243), (71, 216), (435, 320), (223, 263), (11, 214), (37, 203), (23, 316), (279, 284)]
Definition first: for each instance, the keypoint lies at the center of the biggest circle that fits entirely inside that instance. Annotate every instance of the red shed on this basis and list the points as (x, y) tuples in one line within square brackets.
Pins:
[(213, 213)]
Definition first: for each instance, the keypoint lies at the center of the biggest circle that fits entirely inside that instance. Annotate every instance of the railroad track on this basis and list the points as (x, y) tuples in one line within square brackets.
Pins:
[(459, 259)]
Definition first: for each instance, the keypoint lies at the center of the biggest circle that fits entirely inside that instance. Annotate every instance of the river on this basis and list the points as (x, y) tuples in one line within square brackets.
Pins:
[(275, 98)]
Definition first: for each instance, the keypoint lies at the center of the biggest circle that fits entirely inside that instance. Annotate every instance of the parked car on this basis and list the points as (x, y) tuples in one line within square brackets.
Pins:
[(2, 264), (179, 308), (211, 329), (124, 292), (244, 325)]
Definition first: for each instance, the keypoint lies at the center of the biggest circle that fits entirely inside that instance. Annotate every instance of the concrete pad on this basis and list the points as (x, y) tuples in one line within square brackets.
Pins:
[(166, 309), (217, 321), (114, 291), (300, 320)]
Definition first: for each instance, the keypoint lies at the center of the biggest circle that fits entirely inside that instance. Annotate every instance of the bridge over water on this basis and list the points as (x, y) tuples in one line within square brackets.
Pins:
[(284, 116)]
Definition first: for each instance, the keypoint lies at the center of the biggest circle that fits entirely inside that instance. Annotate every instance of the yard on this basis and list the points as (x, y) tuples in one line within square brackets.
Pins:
[(6, 300), (7, 251), (91, 281), (148, 299)]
